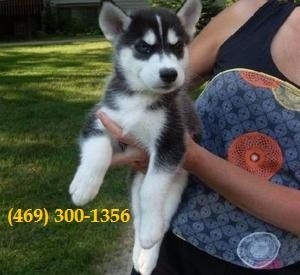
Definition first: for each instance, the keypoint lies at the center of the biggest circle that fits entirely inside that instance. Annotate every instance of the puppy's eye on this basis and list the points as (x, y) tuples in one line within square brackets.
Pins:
[(143, 47), (178, 45)]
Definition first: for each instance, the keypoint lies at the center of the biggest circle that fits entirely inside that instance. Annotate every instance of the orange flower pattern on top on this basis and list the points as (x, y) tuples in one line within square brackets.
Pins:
[(259, 80), (257, 153), (256, 126)]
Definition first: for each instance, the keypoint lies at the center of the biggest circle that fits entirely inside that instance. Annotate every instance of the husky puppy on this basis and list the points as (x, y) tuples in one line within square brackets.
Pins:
[(146, 97)]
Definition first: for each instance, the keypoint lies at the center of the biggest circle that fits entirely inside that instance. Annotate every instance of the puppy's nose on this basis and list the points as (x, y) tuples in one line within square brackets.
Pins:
[(168, 75)]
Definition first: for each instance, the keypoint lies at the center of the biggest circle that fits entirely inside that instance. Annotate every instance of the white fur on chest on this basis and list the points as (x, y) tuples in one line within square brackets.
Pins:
[(136, 119)]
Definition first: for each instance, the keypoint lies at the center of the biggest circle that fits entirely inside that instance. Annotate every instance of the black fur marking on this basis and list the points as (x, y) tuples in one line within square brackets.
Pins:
[(117, 86), (145, 20), (144, 49), (170, 146), (90, 128), (164, 101), (110, 100), (190, 117), (181, 118)]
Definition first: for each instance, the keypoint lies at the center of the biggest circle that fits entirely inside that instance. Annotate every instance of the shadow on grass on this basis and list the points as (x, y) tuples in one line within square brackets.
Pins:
[(12, 60)]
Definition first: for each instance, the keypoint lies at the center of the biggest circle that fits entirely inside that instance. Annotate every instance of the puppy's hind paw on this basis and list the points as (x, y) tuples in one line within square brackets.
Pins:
[(136, 254), (150, 234), (147, 260)]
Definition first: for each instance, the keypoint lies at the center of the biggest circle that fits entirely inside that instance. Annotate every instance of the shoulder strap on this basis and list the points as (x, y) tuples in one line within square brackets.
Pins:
[(268, 19)]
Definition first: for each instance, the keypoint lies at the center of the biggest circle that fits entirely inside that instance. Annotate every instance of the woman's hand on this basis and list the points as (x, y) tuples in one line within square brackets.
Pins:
[(190, 157), (134, 156)]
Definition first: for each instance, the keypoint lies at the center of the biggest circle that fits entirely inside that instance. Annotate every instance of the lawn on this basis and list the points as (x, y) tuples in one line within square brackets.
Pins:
[(45, 93)]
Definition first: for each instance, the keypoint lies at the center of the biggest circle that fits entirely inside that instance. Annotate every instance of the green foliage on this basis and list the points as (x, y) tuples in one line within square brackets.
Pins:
[(229, 2), (175, 4), (170, 4), (210, 8)]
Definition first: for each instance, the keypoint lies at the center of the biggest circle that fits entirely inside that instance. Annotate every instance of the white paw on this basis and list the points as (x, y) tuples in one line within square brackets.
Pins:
[(151, 232), (84, 187), (147, 260), (135, 255)]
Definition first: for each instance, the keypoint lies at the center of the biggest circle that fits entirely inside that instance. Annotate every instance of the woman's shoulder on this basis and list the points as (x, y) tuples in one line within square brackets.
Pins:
[(248, 7), (235, 16), (205, 46)]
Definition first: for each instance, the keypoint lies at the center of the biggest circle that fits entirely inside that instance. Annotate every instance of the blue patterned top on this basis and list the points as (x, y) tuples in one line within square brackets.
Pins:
[(234, 104)]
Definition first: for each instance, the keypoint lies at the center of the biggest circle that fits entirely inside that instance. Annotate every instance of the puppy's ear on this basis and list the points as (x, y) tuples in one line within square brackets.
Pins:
[(189, 14), (112, 20)]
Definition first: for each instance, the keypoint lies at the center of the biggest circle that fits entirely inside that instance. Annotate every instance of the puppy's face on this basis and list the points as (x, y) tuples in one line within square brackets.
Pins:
[(151, 45), (152, 53)]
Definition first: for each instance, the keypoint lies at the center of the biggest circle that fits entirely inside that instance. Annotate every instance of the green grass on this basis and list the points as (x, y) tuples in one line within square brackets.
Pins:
[(45, 92)]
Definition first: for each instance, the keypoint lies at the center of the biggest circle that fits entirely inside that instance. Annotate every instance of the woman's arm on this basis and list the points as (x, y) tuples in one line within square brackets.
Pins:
[(134, 156), (275, 204)]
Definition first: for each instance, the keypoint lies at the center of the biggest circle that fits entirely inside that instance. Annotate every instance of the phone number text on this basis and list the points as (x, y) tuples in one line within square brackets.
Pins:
[(44, 216)]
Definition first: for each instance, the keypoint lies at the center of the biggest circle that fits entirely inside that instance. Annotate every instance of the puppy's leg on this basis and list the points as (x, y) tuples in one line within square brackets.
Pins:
[(144, 260), (96, 154), (174, 197), (165, 161), (153, 195), (148, 257), (135, 204)]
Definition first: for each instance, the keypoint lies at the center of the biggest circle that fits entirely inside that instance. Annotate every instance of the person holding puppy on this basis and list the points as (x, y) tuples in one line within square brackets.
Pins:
[(240, 214)]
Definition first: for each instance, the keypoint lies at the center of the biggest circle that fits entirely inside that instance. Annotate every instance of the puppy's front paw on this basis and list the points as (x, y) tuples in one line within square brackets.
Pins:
[(151, 232), (84, 188)]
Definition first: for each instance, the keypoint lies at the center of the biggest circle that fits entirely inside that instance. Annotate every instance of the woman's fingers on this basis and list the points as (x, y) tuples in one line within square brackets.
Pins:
[(134, 155), (115, 130), (120, 159), (140, 167), (190, 149)]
